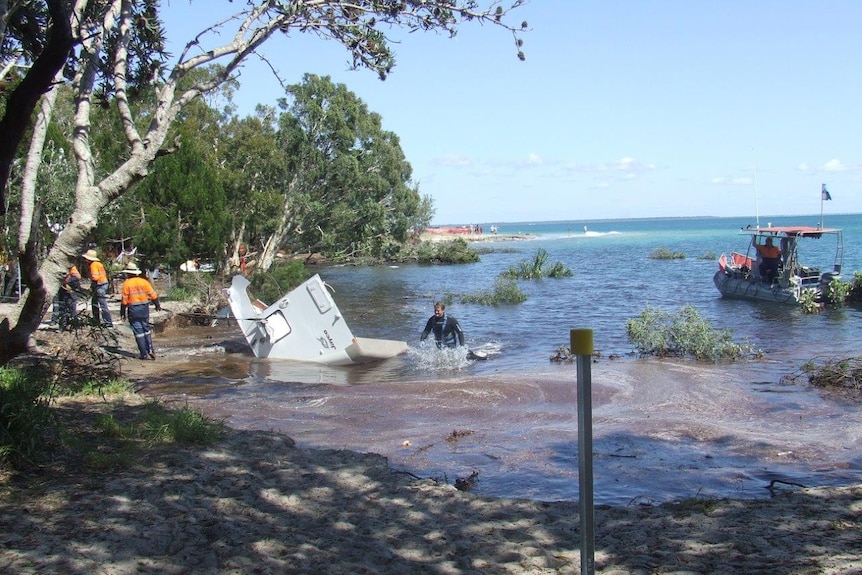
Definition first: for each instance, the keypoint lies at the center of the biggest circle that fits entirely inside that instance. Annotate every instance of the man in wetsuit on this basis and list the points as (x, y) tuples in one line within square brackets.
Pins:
[(447, 330)]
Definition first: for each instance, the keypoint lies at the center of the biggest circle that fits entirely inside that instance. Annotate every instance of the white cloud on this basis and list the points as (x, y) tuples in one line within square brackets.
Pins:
[(453, 161), (834, 165), (631, 165), (803, 167), (535, 159)]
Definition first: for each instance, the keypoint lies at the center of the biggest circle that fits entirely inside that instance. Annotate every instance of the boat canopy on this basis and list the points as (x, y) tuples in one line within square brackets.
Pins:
[(789, 231)]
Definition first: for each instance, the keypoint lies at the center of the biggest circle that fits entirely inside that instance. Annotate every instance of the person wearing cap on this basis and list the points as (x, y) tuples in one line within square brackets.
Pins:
[(99, 287), (135, 304)]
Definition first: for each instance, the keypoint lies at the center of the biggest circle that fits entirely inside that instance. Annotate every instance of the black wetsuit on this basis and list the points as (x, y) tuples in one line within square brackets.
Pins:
[(447, 331)]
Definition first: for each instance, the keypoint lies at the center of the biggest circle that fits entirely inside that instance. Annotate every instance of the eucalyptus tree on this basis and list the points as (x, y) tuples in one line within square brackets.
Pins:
[(179, 210), (253, 171), (122, 37), (348, 188)]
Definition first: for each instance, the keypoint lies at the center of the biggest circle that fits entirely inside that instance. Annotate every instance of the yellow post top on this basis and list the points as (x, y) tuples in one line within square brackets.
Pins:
[(581, 341)]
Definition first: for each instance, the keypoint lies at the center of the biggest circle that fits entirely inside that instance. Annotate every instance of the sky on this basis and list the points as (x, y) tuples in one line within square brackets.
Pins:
[(622, 109)]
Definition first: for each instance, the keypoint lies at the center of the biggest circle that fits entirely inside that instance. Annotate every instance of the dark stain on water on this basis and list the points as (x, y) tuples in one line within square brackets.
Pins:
[(662, 430)]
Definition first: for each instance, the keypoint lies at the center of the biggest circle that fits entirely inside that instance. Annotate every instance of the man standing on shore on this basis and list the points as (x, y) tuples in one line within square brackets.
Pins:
[(99, 287), (137, 295)]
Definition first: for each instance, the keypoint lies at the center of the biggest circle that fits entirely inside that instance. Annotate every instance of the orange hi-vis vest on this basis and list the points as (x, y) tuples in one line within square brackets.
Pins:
[(769, 251), (137, 290), (98, 275), (73, 273)]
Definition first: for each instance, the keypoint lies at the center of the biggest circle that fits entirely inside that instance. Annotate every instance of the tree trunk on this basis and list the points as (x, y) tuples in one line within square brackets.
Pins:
[(276, 239), (23, 100)]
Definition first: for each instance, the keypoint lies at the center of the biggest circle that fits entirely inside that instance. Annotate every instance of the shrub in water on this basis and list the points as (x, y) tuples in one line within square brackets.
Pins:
[(837, 292), (535, 268), (855, 294), (666, 254), (505, 291), (685, 333)]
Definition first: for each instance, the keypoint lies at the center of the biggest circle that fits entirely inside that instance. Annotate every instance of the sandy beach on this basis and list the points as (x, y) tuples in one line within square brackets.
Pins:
[(472, 237), (255, 503)]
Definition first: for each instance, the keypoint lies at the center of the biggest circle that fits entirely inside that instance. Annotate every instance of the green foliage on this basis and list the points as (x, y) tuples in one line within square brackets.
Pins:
[(835, 374), (837, 292), (663, 253), (182, 293), (506, 291), (708, 256), (535, 268), (808, 302), (162, 425), (683, 334), (855, 294), (270, 286), (180, 210), (113, 387), (457, 251), (158, 424), (348, 180), (121, 441), (26, 420), (558, 270)]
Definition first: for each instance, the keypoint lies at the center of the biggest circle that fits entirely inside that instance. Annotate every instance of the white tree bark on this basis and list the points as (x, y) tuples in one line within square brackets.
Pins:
[(255, 24)]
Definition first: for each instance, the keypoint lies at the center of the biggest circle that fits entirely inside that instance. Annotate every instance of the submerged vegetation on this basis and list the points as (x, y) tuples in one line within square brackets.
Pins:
[(456, 251), (837, 294), (842, 375), (505, 291), (666, 254), (535, 268), (682, 334)]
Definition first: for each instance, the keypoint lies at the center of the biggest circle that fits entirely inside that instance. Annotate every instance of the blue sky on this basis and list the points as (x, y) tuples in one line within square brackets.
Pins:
[(622, 109)]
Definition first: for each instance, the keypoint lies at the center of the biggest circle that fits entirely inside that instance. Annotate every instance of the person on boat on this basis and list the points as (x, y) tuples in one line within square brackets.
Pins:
[(99, 288), (137, 295), (770, 258), (447, 330)]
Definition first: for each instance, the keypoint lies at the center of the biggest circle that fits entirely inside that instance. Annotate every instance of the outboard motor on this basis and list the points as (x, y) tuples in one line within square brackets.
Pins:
[(827, 277)]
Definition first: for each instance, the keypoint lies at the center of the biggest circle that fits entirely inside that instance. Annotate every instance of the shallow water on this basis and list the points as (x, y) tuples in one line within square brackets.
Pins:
[(662, 430)]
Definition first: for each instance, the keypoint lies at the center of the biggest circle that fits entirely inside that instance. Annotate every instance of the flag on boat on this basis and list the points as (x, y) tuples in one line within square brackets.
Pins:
[(824, 193)]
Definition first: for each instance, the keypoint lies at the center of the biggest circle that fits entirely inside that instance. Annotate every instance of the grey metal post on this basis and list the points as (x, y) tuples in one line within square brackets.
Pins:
[(582, 346)]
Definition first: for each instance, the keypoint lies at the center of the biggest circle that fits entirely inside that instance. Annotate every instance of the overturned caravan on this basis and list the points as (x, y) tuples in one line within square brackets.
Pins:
[(304, 325)]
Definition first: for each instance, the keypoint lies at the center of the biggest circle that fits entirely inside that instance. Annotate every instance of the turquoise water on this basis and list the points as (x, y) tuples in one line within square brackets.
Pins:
[(663, 429), (614, 280)]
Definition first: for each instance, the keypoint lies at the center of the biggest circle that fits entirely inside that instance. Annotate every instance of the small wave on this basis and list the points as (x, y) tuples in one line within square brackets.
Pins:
[(428, 357)]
